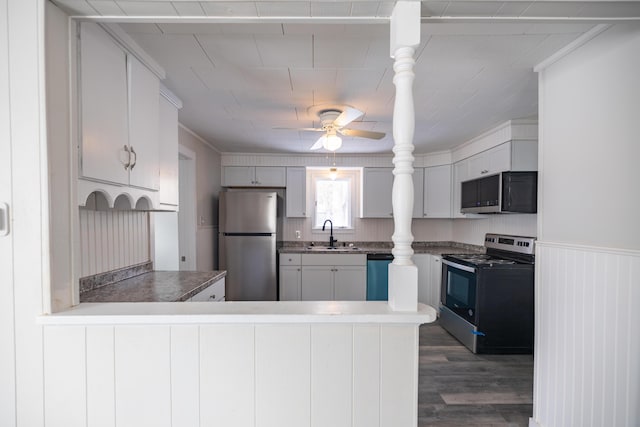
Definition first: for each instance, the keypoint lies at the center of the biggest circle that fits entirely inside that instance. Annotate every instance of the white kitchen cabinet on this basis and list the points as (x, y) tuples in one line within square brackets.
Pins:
[(377, 189), (103, 107), (429, 278), (119, 124), (144, 102), (213, 293), (168, 154), (334, 277), (460, 174), (437, 192), (290, 277), (510, 156), (296, 192), (253, 176), (377, 186)]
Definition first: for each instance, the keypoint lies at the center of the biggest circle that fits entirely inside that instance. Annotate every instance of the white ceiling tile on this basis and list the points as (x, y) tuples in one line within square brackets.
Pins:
[(551, 44), (340, 52), (318, 29), (174, 50), (513, 8), (472, 8), (140, 28), (230, 8), (188, 8), (330, 9), (284, 8), (359, 79), (276, 79), (553, 28), (554, 9), (252, 28), (364, 8), (290, 51), (233, 49), (106, 7), (433, 8), (386, 8), (147, 8), (220, 78), (179, 28), (622, 9), (76, 7), (313, 79)]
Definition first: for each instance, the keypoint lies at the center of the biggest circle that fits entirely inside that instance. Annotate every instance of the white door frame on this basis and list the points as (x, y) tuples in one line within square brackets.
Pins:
[(187, 214)]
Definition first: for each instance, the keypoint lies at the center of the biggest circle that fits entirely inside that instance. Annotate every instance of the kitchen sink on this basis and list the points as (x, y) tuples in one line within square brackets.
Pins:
[(334, 248)]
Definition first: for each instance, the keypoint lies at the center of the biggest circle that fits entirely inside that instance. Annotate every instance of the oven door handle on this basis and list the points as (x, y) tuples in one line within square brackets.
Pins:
[(459, 266)]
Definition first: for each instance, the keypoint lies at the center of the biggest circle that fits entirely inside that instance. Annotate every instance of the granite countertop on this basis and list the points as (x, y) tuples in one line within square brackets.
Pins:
[(433, 248), (155, 286)]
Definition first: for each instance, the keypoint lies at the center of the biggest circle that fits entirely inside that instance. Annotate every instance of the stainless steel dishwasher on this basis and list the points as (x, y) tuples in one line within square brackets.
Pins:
[(378, 276)]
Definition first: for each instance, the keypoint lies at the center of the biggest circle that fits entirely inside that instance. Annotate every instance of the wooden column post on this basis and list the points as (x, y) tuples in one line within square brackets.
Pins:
[(403, 274)]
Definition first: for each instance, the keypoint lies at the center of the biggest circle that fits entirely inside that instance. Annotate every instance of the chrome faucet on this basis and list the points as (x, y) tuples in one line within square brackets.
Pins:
[(331, 239)]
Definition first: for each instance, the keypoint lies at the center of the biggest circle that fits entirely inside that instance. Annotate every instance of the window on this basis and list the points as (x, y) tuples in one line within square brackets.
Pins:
[(334, 196)]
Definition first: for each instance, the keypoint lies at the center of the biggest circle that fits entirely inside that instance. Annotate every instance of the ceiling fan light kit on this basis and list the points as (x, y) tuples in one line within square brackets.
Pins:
[(334, 119)]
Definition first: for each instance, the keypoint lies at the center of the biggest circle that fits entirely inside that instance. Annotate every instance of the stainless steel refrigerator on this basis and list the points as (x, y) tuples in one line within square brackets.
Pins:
[(247, 244)]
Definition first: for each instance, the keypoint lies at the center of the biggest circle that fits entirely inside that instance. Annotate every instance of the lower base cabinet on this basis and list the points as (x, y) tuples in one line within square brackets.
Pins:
[(213, 293), (429, 278), (320, 277)]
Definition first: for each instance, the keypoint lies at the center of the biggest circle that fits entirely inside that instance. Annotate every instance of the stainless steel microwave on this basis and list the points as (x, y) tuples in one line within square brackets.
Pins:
[(514, 192)]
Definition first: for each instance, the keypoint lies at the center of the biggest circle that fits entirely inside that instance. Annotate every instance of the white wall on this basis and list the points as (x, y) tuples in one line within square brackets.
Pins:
[(260, 375), (587, 350), (24, 253), (208, 177)]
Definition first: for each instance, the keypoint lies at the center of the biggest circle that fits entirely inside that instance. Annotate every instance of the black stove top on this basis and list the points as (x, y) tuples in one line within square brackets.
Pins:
[(501, 250)]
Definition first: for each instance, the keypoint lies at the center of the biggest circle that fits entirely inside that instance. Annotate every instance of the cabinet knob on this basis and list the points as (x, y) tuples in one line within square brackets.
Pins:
[(212, 296)]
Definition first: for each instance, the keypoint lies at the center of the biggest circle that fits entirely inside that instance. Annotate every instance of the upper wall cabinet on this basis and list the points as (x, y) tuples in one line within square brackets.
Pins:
[(296, 193), (377, 188), (118, 114), (437, 192), (104, 153), (253, 176)]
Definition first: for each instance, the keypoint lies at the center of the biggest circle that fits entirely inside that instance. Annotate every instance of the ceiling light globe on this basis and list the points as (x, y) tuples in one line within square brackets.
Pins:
[(332, 142)]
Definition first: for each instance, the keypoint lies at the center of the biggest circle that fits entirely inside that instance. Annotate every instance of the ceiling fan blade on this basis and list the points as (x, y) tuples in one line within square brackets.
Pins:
[(318, 144), (347, 116), (362, 133), (303, 129)]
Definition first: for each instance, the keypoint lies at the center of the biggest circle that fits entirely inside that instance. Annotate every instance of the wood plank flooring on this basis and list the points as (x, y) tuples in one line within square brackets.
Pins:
[(458, 388)]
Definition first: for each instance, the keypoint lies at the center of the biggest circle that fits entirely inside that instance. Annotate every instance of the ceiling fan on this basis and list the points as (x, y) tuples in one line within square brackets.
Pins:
[(334, 120)]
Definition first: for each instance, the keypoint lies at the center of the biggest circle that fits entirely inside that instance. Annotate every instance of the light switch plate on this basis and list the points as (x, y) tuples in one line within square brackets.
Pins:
[(4, 219)]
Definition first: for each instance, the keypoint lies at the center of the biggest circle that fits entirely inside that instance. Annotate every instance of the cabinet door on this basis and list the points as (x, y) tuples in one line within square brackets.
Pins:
[(376, 193), (460, 174), (144, 102), (418, 192), (350, 283), (435, 280), (238, 176), (168, 151), (422, 263), (296, 192), (290, 281), (213, 293), (270, 176), (437, 192), (103, 109), (317, 283), (500, 158)]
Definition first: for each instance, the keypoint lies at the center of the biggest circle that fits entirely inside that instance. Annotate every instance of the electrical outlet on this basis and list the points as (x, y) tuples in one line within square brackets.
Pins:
[(298, 235), (201, 219)]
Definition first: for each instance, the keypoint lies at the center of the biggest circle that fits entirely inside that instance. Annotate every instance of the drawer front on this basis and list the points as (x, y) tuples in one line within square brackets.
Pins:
[(215, 292), (334, 259), (290, 259)]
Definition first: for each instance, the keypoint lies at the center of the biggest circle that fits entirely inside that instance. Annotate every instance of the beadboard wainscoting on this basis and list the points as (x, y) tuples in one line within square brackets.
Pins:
[(280, 375), (112, 239), (587, 349)]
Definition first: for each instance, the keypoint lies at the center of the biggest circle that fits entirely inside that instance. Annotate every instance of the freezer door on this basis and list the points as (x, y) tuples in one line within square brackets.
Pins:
[(250, 262), (248, 211)]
